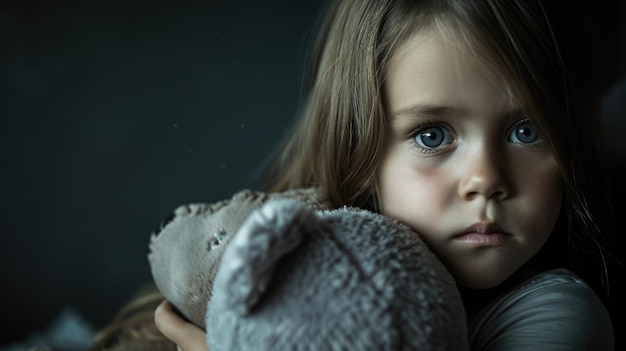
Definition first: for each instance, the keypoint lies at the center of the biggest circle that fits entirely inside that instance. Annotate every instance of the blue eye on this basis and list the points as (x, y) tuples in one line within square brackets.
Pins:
[(524, 133), (432, 137)]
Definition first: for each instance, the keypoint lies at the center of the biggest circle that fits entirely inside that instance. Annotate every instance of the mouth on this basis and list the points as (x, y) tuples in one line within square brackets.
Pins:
[(483, 235)]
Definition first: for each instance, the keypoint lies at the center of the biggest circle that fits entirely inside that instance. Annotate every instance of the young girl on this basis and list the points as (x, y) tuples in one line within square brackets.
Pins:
[(471, 122)]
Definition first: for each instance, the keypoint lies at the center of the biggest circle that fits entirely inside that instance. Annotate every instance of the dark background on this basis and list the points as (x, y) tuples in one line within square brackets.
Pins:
[(115, 112)]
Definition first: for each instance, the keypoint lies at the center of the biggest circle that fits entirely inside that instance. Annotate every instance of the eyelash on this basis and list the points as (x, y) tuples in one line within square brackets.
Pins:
[(533, 145), (422, 127)]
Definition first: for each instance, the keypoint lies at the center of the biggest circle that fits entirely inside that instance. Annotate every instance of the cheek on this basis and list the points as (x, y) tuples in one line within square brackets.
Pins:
[(550, 194), (535, 214), (543, 194), (413, 192)]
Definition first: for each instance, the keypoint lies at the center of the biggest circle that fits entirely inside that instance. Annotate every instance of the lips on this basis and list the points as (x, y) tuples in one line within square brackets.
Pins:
[(484, 228), (483, 235)]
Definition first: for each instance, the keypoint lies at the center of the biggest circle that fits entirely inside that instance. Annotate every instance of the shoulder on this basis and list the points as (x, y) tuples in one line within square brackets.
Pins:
[(555, 310)]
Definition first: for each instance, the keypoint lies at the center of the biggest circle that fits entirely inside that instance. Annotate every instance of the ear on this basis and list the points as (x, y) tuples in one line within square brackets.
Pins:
[(248, 263)]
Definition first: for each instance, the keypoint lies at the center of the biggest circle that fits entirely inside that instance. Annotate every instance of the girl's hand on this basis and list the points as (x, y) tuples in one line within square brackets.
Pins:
[(187, 336)]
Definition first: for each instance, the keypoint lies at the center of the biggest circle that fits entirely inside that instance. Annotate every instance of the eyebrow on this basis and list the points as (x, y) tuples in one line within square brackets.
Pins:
[(429, 111), (439, 111)]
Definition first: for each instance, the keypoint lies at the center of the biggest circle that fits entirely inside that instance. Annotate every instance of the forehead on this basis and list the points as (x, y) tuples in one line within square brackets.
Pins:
[(433, 68)]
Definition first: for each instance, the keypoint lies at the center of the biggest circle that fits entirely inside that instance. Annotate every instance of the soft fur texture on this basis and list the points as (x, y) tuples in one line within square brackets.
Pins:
[(296, 277), (186, 251)]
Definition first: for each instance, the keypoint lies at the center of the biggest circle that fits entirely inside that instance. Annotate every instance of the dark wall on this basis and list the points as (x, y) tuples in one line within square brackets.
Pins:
[(115, 112)]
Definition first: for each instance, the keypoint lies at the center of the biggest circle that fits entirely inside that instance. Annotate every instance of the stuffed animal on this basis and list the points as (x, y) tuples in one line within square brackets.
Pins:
[(186, 249), (281, 272)]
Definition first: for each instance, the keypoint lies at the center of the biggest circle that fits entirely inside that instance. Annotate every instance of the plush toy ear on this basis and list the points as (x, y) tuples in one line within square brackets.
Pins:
[(248, 263)]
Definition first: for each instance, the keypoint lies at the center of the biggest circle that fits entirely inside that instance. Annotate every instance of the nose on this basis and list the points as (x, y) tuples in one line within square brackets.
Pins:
[(484, 174)]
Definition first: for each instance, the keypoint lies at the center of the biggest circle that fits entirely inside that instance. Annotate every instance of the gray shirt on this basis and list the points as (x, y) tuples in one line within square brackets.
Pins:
[(554, 310)]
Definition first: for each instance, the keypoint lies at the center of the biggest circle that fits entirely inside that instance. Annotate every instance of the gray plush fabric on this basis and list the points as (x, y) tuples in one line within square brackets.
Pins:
[(296, 276), (185, 253), (347, 279)]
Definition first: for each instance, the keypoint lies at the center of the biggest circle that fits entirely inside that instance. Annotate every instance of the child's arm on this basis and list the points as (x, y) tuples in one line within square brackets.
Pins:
[(187, 336)]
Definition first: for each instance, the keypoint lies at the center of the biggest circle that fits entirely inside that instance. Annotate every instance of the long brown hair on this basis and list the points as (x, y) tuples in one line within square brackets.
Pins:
[(133, 327), (340, 137)]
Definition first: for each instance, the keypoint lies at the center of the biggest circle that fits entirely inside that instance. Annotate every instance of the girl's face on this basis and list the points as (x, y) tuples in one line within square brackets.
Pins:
[(463, 165)]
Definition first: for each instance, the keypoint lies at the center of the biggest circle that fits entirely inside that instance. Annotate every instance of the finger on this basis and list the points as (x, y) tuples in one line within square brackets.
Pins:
[(184, 334)]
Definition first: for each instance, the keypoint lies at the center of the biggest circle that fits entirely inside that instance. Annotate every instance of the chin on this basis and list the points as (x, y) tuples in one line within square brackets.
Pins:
[(473, 280)]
